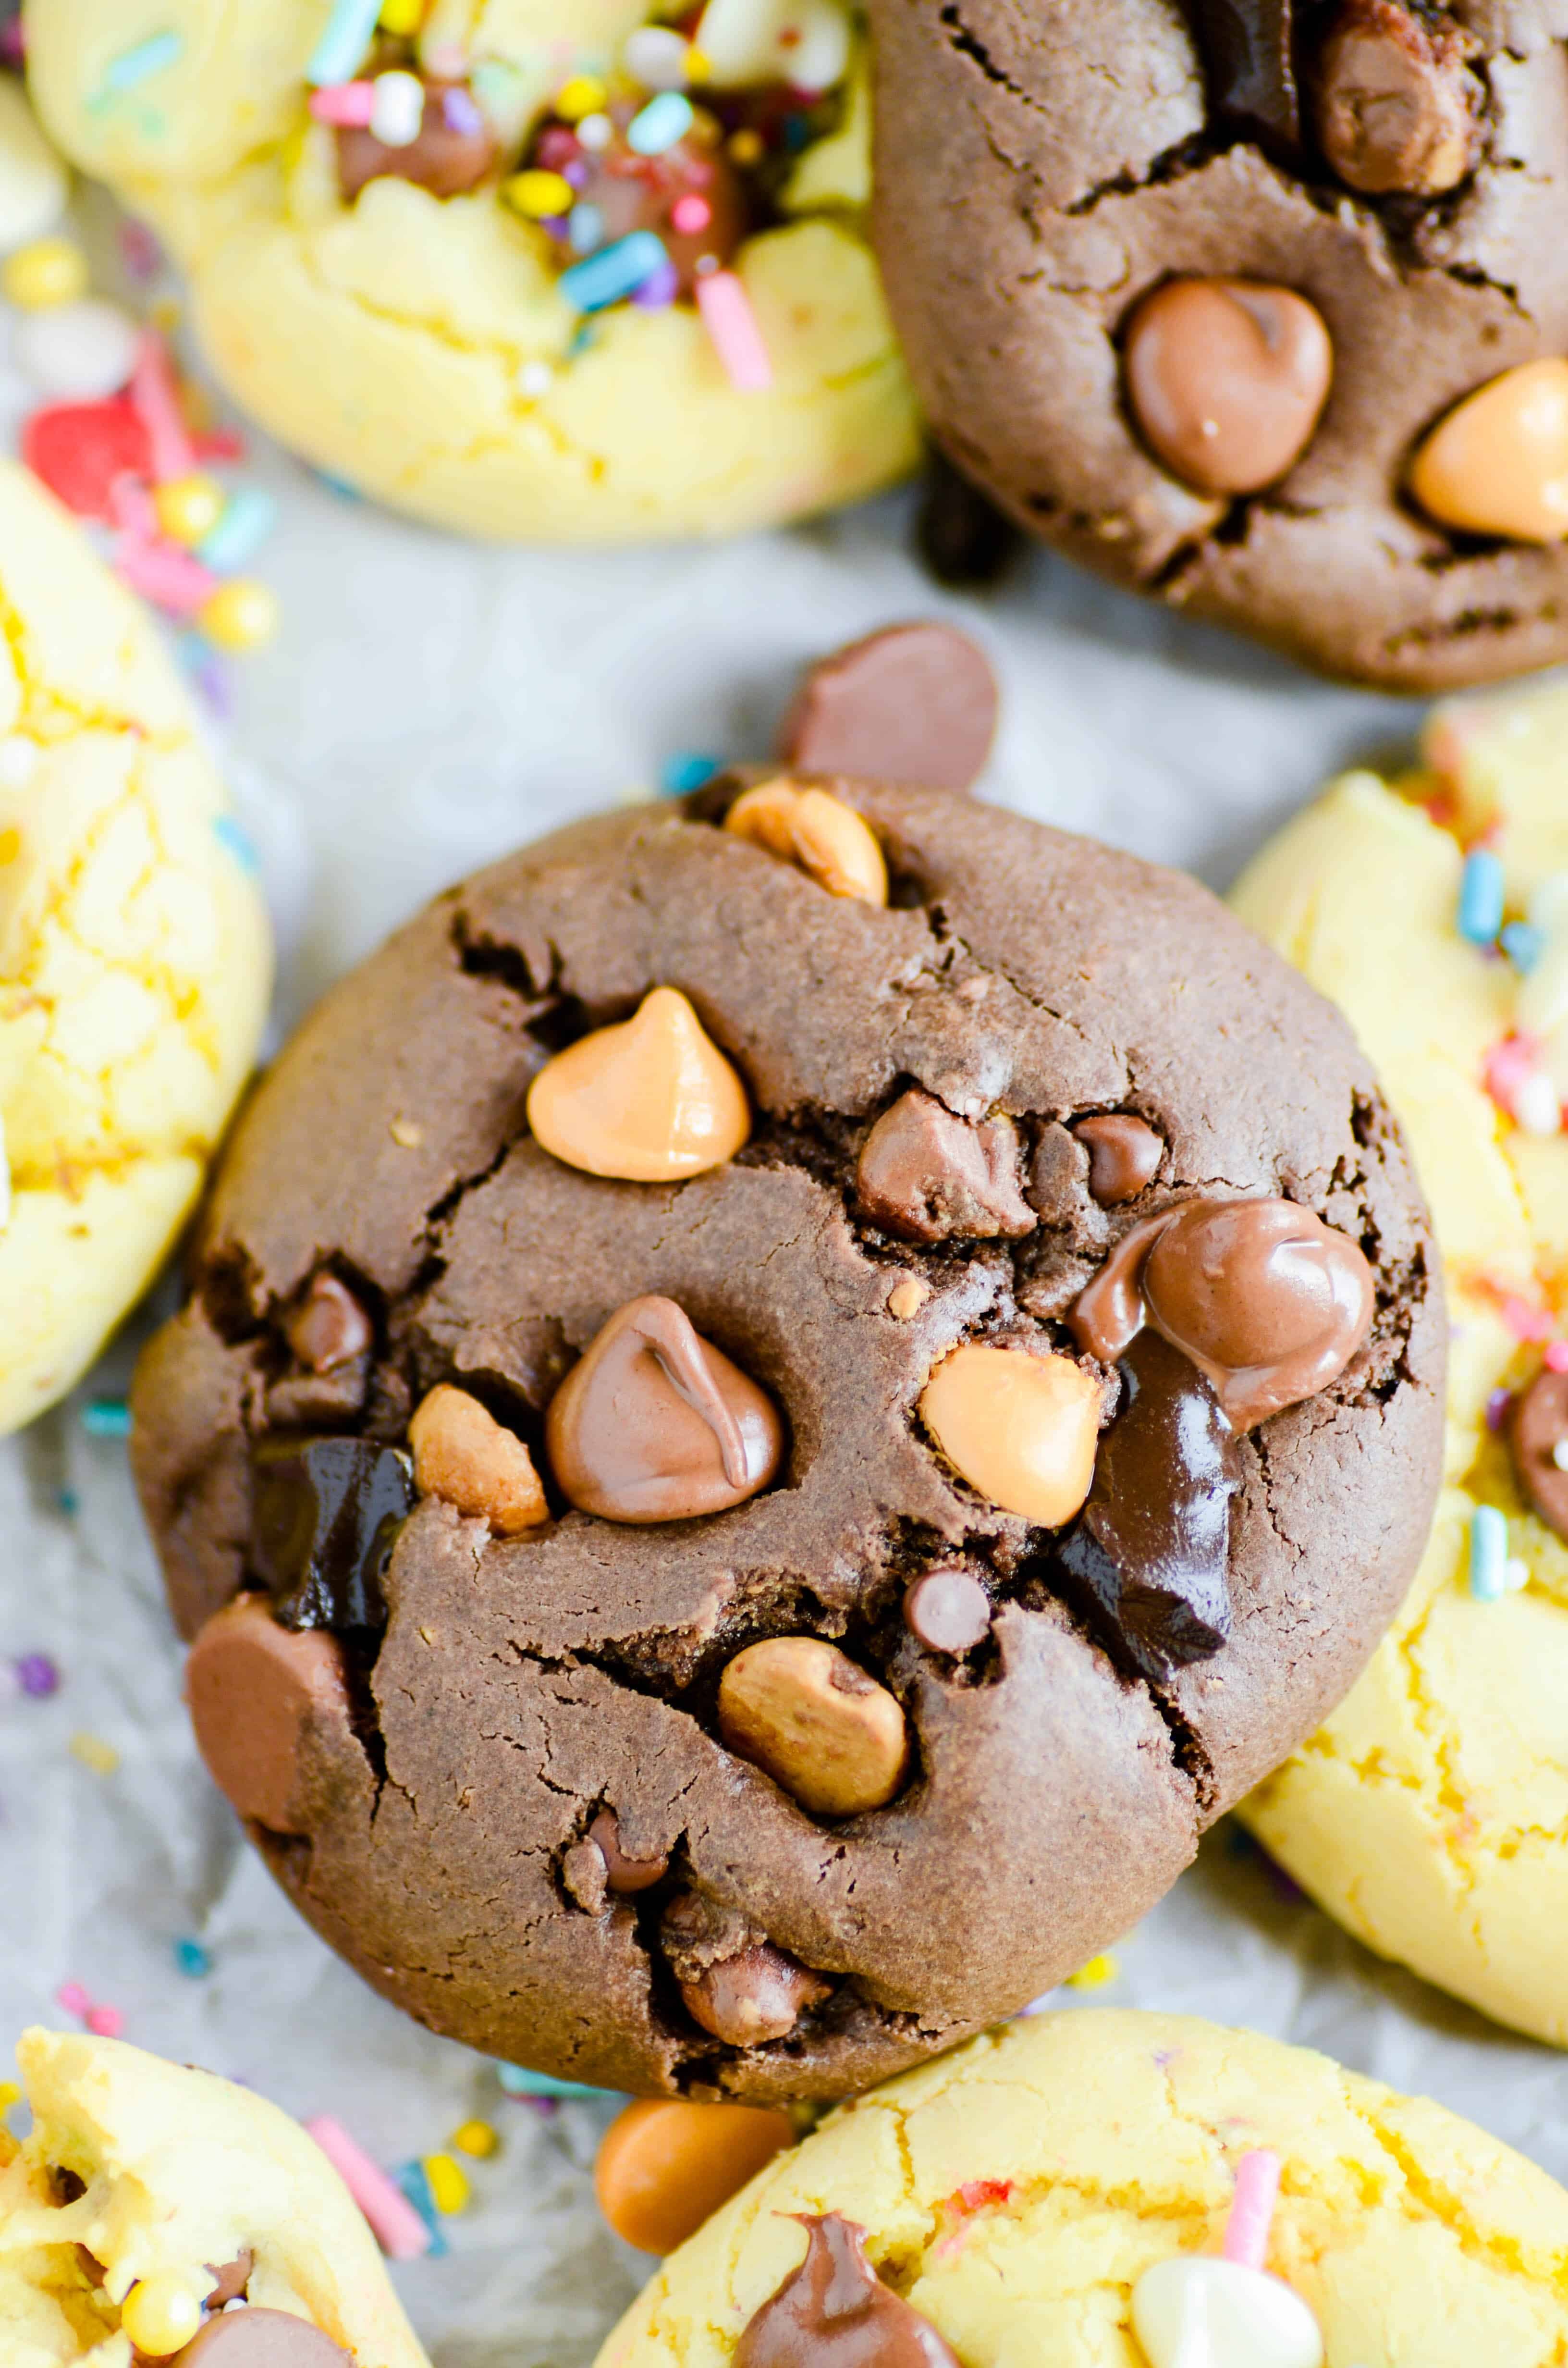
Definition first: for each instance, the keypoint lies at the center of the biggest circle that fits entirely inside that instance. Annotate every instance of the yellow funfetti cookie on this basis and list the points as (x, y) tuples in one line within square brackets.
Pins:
[(134, 952), (171, 2173), (1430, 1813), (1015, 2191), (419, 345)]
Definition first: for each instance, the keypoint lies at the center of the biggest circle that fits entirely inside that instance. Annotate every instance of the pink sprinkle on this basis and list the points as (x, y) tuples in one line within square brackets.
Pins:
[(104, 2021), (155, 401), (348, 104), (1252, 2208), (1506, 1066), (690, 214), (395, 2225), (729, 322), (1525, 1322), (75, 1999), (1557, 1356), (173, 579), (130, 508)]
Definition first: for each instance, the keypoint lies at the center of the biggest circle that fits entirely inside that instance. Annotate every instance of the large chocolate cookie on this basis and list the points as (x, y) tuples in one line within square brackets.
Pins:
[(1257, 305), (741, 1628)]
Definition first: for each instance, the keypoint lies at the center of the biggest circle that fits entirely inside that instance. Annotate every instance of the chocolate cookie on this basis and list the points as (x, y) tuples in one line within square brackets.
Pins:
[(691, 1587), (1259, 306)]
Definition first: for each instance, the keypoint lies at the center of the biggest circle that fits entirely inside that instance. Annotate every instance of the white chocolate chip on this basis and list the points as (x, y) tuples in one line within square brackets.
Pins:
[(1198, 2312), (18, 761), (397, 109), (1536, 1104)]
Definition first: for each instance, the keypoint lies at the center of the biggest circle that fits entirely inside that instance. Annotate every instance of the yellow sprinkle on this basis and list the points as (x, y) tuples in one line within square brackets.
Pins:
[(539, 194), (101, 1757), (582, 95), (189, 507), (239, 616), (699, 65), (1095, 1975), (161, 2315), (10, 2095), (406, 1134), (449, 2188), (47, 272), (746, 148), (10, 845), (476, 2138), (401, 16)]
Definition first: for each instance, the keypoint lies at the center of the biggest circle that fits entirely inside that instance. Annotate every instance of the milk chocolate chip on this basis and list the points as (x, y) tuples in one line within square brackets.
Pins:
[(927, 1174), (1249, 68), (1146, 1559), (1395, 108), (454, 151), (623, 1874), (735, 1985), (1124, 1153), (231, 2279), (1227, 379), (254, 1691), (946, 1609), (913, 703), (654, 1423), (1538, 1434), (325, 1517), (1266, 1299), (835, 2312), (329, 1328), (260, 2338)]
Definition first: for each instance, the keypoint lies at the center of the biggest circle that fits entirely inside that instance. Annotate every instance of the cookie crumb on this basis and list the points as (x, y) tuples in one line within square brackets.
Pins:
[(406, 1133), (907, 1297)]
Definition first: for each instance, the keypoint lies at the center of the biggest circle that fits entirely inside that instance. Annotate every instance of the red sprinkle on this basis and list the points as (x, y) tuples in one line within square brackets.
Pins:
[(80, 449), (1508, 1063), (978, 2196), (1557, 1357)]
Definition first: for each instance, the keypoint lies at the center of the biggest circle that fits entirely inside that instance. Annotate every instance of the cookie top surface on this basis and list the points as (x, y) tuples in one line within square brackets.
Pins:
[(428, 1802), (1147, 310), (135, 958), (1015, 2195), (1425, 1815), (156, 2173), (670, 327)]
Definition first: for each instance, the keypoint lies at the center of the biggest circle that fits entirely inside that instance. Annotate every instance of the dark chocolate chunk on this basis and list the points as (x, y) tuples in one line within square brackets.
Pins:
[(927, 1174), (1249, 66), (326, 1512), (912, 703), (946, 1609), (961, 535), (1124, 1153), (455, 150), (1538, 1427), (1145, 1561), (835, 2312)]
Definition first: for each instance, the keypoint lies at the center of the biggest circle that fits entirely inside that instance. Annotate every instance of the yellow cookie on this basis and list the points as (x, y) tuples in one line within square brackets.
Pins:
[(437, 306), (139, 2184), (134, 952), (1019, 2194), (1430, 1813)]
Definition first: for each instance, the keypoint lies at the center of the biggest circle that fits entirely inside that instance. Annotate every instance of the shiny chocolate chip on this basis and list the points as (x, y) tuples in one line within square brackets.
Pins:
[(1538, 1433), (835, 2312), (915, 703), (1124, 1155), (325, 1517), (946, 1609)]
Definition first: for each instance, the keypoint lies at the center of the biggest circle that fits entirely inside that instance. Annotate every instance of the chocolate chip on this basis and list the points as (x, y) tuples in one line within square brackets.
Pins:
[(913, 703), (1124, 1153), (455, 150), (1146, 1559), (946, 1609), (232, 2278), (963, 537), (1249, 70), (624, 1874), (1396, 107), (1227, 379), (748, 1999), (654, 1423), (835, 2312), (260, 2338), (928, 1175), (329, 1328), (325, 1517), (256, 1692), (1538, 1426), (300, 1400)]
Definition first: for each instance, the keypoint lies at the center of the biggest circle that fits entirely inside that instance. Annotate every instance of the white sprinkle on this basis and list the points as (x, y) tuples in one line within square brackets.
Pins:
[(535, 379), (1536, 1105), (1516, 1574), (657, 58), (77, 353), (1559, 1455), (596, 131), (397, 109), (18, 761)]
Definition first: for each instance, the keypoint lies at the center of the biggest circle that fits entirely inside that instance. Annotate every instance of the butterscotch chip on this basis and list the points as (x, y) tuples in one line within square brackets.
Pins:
[(831, 1736), (462, 1454), (1022, 1429), (1498, 463), (665, 2163), (650, 1100), (819, 834)]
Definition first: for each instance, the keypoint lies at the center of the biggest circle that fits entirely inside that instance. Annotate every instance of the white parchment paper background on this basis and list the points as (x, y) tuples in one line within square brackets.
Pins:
[(428, 706)]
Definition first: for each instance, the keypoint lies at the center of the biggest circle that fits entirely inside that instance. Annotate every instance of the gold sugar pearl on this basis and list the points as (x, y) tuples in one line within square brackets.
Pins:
[(161, 2314)]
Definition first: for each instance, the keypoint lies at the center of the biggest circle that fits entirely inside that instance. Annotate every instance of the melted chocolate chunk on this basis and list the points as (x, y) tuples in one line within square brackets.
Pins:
[(1538, 1427), (1145, 1561), (835, 2312), (325, 1515), (1249, 65), (1124, 1155)]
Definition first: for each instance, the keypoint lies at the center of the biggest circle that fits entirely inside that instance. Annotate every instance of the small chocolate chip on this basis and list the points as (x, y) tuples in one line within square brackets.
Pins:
[(835, 2312), (1226, 380), (1124, 1153), (755, 1997), (325, 1515), (261, 2339), (913, 703), (929, 1176), (624, 1874), (329, 1328), (1538, 1426), (946, 1609)]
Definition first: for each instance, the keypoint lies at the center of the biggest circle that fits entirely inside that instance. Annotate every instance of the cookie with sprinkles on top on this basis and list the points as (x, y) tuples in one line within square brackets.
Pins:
[(531, 271), (783, 1398)]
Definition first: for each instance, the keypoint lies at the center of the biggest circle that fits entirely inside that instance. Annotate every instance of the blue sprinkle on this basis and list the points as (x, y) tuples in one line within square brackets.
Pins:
[(585, 228), (107, 1418), (69, 1503), (660, 124), (133, 66), (685, 771), (341, 486), (1524, 944), (1480, 897), (1488, 1554), (192, 1960), (412, 2179), (604, 279), (227, 831), (249, 516), (347, 35), (518, 2082)]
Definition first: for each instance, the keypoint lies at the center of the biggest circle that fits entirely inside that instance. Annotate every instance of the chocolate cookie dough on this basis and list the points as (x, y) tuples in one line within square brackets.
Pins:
[(1259, 306), (750, 1618)]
